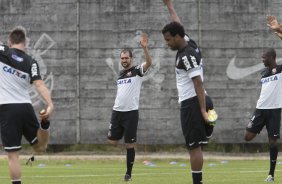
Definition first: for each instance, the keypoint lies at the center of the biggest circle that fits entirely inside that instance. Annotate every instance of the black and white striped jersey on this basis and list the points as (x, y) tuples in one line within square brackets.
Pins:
[(128, 89), (17, 71), (271, 89), (188, 65)]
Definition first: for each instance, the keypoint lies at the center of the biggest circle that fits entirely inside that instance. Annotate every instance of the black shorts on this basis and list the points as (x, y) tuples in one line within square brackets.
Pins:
[(192, 122), (271, 118), (124, 124), (17, 120)]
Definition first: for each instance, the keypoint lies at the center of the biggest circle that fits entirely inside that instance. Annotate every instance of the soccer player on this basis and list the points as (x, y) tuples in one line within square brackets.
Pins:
[(124, 120), (191, 93), (17, 117), (273, 23), (268, 108)]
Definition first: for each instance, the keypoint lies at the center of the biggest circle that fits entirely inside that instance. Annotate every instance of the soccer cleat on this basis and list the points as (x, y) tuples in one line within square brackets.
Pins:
[(127, 177), (269, 179), (30, 160)]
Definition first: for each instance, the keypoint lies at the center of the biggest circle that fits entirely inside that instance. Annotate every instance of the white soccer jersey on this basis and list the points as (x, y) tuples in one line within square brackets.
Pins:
[(17, 72), (271, 89), (188, 65), (128, 89)]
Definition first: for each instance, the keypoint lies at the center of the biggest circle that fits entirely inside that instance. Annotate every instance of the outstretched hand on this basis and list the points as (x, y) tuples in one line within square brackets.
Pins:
[(272, 22), (144, 40)]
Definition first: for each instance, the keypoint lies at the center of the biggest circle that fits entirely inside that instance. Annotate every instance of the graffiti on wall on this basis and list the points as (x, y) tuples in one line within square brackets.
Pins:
[(42, 45)]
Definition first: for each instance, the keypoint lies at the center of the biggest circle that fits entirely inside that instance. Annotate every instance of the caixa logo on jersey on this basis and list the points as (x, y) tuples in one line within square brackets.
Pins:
[(269, 79), (14, 72), (42, 45), (123, 81)]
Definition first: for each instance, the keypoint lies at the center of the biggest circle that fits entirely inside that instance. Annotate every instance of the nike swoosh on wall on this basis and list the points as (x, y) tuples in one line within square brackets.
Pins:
[(235, 73)]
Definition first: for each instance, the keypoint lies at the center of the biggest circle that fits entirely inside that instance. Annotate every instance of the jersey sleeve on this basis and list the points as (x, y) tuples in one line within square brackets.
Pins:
[(4, 49), (140, 70), (34, 71), (189, 60)]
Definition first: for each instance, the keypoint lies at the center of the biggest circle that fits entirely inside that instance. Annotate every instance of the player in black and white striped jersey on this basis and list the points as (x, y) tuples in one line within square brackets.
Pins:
[(124, 120), (268, 108), (191, 93), (17, 117)]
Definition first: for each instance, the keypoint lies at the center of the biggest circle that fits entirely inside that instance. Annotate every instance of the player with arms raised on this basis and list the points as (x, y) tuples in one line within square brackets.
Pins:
[(124, 120), (192, 96)]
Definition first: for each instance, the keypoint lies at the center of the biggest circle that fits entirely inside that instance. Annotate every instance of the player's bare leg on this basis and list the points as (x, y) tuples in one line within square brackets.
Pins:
[(249, 136), (14, 167), (42, 134), (196, 161), (113, 142), (43, 138)]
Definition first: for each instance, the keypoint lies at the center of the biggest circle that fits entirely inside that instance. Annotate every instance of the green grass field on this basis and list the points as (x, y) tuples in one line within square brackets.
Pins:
[(161, 171)]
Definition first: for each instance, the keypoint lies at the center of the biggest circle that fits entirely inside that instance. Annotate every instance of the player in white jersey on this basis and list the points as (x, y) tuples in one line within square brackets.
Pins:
[(191, 93), (124, 120), (268, 108), (17, 117)]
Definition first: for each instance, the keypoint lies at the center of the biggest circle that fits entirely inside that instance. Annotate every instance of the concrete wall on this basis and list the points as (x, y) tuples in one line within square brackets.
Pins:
[(77, 44)]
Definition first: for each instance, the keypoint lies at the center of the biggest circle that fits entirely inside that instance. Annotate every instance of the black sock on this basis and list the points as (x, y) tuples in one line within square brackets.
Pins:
[(130, 157), (197, 177), (45, 125), (273, 152), (16, 182)]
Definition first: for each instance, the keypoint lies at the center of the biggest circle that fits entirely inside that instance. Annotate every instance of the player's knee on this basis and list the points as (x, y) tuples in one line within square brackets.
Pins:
[(249, 136), (129, 145), (273, 144), (112, 142), (13, 156)]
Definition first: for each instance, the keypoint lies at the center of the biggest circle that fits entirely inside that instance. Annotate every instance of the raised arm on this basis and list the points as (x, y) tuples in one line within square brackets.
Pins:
[(273, 24), (144, 44), (172, 12)]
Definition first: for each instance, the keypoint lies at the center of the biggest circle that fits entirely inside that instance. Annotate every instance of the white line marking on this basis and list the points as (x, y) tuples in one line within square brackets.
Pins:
[(96, 175)]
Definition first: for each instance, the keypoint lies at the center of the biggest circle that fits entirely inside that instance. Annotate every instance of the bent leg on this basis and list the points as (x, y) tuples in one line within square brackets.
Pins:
[(42, 141), (249, 135), (113, 142)]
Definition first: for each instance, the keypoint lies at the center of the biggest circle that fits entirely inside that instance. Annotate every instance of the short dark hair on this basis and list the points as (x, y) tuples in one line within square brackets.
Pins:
[(17, 35), (127, 51), (270, 52), (174, 28)]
